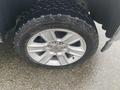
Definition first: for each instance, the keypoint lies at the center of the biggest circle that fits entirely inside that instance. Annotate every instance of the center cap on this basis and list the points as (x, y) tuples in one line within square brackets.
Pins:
[(57, 46)]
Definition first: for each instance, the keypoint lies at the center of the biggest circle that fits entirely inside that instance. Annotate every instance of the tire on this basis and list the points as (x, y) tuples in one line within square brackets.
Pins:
[(86, 30)]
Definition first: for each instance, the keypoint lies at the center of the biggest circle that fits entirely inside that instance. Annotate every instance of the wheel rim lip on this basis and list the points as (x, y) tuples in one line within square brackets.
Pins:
[(53, 62)]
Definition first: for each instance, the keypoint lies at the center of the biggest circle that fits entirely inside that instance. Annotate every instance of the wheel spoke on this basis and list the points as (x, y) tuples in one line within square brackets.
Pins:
[(62, 59), (49, 36), (70, 38), (77, 51), (45, 57), (37, 47)]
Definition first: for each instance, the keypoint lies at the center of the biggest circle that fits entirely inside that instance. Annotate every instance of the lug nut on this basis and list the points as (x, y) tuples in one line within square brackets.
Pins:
[(49, 46)]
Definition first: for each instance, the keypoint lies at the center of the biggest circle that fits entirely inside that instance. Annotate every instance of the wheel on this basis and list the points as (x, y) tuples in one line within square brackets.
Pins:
[(56, 40)]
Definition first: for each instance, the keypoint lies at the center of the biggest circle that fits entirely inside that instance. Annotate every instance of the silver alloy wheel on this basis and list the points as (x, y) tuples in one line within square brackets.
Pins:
[(56, 47)]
